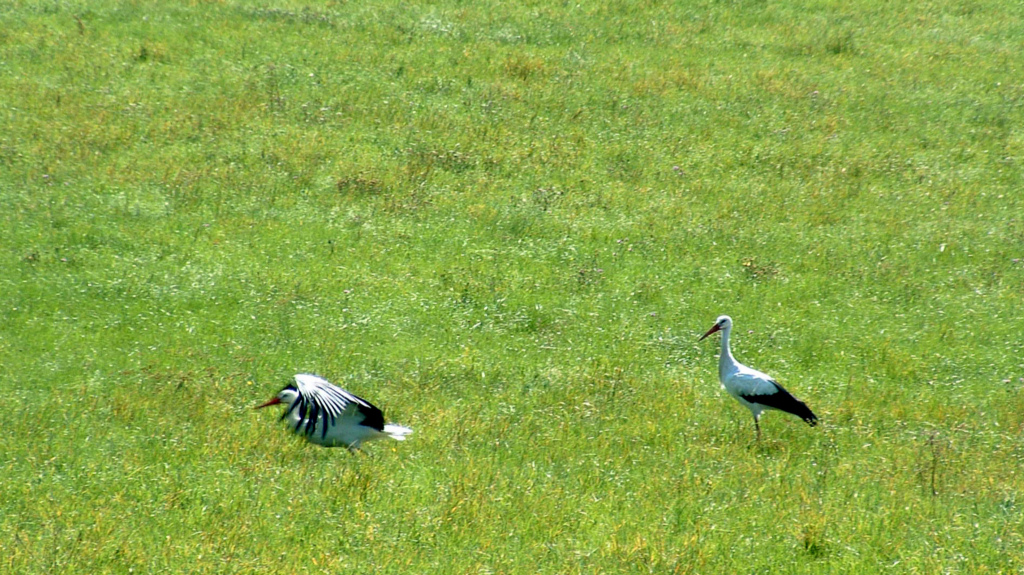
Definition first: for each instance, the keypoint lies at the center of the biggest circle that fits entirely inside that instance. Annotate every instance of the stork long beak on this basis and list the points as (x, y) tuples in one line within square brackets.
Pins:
[(713, 329), (274, 401)]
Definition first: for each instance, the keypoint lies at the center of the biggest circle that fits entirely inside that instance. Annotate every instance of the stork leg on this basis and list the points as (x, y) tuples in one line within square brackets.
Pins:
[(757, 426)]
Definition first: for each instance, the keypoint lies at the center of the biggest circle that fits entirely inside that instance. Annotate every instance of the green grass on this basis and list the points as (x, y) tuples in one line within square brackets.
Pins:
[(507, 224)]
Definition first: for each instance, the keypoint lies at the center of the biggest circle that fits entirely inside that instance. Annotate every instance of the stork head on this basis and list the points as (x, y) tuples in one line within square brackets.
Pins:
[(723, 322), (287, 396)]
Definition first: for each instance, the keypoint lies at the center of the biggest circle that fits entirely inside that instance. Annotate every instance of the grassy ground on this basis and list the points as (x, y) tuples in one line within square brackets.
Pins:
[(507, 224)]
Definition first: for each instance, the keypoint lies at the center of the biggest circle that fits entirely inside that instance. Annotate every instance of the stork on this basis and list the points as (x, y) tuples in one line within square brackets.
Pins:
[(755, 390), (327, 415)]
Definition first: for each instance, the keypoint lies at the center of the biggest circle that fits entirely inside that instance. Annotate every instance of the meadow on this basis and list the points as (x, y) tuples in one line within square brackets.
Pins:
[(507, 224)]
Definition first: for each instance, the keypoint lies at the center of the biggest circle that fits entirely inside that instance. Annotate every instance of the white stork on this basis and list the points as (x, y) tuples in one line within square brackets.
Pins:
[(327, 415), (755, 390)]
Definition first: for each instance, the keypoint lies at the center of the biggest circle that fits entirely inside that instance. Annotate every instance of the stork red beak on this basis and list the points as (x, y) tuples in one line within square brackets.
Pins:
[(713, 329), (274, 401)]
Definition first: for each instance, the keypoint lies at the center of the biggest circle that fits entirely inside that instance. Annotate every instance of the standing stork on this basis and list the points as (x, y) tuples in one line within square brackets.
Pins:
[(755, 390), (327, 415)]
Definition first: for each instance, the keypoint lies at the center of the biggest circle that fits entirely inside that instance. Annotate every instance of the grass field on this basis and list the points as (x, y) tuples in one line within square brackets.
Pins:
[(507, 224)]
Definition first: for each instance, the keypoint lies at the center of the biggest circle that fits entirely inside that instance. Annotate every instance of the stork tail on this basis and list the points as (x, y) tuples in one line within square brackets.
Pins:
[(397, 431)]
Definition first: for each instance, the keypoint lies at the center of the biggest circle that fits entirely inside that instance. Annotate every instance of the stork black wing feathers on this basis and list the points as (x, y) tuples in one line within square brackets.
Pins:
[(372, 417), (784, 401), (312, 416), (320, 399)]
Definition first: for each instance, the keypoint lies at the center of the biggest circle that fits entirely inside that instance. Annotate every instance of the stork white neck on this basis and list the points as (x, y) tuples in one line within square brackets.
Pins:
[(726, 362)]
